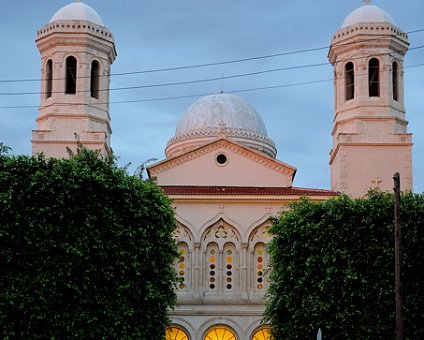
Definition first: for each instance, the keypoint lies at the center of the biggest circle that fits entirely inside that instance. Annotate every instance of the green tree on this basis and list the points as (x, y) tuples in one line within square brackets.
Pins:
[(86, 251), (333, 268)]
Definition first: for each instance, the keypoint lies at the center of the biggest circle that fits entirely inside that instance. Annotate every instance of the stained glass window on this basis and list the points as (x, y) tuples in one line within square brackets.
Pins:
[(261, 262), (181, 266), (212, 269), (175, 333), (229, 277), (263, 334), (220, 333)]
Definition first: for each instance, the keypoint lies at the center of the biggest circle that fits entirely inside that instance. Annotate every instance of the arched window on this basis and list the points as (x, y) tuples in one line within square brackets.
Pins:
[(95, 79), (220, 333), (71, 75), (175, 333), (49, 78), (229, 270), (374, 77), (183, 266), (212, 270), (350, 81), (263, 333), (261, 267), (395, 80)]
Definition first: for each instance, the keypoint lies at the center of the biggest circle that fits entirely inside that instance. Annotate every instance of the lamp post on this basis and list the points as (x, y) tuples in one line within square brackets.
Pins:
[(398, 296)]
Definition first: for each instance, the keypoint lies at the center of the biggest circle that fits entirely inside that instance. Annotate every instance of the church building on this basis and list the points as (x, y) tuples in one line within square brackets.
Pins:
[(221, 170)]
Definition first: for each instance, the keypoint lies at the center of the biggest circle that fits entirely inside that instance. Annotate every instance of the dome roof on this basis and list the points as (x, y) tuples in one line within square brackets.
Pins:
[(222, 114), (77, 11), (368, 14), (222, 109)]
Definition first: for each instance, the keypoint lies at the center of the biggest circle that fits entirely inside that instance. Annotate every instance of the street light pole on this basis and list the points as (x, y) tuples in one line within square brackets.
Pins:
[(398, 296)]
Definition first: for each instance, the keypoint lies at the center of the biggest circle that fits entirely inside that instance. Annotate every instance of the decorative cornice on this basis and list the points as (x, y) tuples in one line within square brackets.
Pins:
[(75, 26), (367, 28), (228, 132)]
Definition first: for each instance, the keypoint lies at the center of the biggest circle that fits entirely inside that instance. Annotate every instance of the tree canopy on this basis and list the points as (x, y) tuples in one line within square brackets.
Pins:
[(86, 250), (333, 268)]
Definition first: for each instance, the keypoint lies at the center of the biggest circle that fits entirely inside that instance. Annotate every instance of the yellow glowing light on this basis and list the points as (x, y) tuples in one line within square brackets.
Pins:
[(175, 333), (220, 333), (263, 334)]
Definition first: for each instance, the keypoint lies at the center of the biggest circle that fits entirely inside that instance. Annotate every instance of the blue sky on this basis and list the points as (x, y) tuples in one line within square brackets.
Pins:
[(162, 34)]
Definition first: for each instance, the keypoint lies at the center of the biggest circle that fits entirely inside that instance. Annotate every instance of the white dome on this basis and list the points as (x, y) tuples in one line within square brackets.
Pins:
[(77, 11), (222, 109), (368, 14), (221, 114)]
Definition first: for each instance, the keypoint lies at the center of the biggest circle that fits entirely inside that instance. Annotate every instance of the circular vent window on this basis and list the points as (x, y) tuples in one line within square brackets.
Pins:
[(221, 159)]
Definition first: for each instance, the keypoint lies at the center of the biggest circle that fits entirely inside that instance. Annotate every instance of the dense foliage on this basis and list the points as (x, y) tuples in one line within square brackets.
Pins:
[(86, 250), (333, 268)]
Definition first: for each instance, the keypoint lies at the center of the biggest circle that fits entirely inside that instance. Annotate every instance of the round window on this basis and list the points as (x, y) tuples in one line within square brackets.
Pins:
[(221, 159)]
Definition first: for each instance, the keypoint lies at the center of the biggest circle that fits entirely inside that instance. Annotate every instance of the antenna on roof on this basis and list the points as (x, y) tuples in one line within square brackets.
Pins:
[(222, 82)]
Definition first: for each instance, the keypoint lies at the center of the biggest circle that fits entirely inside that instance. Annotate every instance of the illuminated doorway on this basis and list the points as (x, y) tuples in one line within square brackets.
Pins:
[(220, 333), (175, 333), (263, 334)]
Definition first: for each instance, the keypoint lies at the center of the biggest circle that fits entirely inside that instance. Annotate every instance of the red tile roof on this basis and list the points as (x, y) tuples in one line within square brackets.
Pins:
[(232, 190)]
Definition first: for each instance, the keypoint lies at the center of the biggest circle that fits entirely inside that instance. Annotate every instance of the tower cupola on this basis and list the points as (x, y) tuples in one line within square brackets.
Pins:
[(76, 53), (370, 138)]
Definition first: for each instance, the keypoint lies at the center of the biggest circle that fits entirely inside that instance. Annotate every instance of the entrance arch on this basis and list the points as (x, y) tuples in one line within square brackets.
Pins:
[(220, 333), (175, 333), (263, 333)]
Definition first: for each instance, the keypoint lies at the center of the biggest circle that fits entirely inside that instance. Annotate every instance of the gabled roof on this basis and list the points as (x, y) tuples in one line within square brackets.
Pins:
[(223, 142)]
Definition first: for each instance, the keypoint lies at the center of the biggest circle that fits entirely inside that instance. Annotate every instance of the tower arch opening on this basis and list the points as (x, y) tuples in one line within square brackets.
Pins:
[(49, 78), (374, 77), (349, 81), (395, 80), (71, 75), (95, 79)]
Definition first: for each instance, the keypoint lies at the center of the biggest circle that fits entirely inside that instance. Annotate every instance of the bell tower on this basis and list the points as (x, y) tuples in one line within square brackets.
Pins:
[(370, 138), (76, 53)]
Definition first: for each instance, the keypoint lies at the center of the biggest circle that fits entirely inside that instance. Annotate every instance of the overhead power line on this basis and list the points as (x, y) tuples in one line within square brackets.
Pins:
[(204, 80), (311, 82), (234, 61)]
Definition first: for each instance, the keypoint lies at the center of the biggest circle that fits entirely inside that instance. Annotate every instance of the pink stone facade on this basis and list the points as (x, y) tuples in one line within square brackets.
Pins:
[(370, 138), (221, 171), (81, 116)]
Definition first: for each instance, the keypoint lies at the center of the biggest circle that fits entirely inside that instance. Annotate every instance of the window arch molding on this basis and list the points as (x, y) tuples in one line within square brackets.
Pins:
[(258, 257), (259, 233), (220, 232), (184, 264), (220, 257), (203, 229)]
